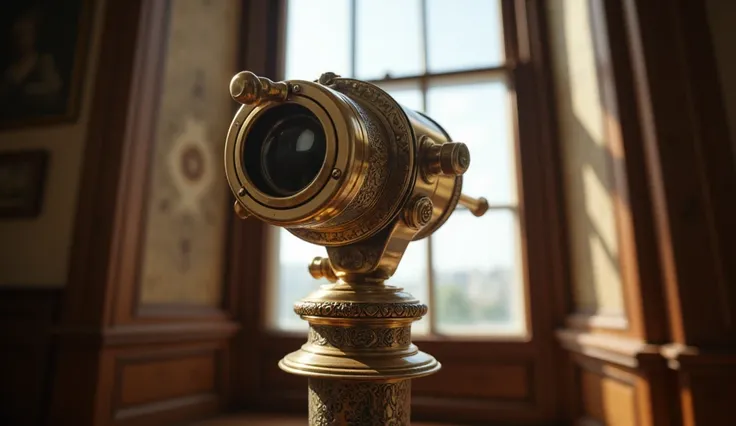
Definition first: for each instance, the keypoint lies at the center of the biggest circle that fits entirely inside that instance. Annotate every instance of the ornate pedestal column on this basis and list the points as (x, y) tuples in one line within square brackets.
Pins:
[(359, 357)]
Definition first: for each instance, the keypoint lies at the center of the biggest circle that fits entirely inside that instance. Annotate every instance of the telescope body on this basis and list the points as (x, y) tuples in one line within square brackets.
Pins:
[(339, 163)]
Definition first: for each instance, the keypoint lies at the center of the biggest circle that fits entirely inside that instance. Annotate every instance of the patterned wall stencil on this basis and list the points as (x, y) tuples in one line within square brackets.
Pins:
[(186, 218)]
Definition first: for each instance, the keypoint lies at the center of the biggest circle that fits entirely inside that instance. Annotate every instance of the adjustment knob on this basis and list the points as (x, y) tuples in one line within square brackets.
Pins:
[(249, 89), (454, 158), (240, 211), (419, 213), (450, 158), (322, 268)]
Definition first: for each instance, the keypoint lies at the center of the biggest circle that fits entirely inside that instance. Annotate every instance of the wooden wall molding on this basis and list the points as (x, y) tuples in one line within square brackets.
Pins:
[(137, 334), (619, 350), (688, 358)]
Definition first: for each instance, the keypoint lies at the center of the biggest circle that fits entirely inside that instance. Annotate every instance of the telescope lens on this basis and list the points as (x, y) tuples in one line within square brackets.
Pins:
[(285, 150)]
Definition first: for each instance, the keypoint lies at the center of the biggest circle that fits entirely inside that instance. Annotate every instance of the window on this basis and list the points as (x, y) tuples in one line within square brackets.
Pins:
[(470, 271)]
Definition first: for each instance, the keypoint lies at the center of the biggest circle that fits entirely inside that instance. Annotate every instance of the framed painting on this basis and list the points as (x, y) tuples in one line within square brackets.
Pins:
[(43, 51)]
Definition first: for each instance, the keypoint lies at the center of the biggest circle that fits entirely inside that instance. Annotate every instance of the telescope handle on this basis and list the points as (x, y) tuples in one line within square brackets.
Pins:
[(477, 206)]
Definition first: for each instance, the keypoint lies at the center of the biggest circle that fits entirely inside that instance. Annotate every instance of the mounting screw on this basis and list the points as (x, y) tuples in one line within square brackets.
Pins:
[(336, 173), (241, 192), (296, 88)]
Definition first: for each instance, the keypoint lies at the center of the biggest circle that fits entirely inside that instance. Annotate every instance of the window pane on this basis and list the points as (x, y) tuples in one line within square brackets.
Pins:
[(406, 94), (388, 38), (291, 278), (412, 277), (317, 38), (477, 114), (463, 34), (477, 275)]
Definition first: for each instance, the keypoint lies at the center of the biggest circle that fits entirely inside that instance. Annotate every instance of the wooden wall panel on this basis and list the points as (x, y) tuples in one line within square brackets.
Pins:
[(147, 381), (27, 316), (688, 155), (178, 411), (608, 400), (675, 218), (166, 381), (481, 380), (709, 396), (131, 363)]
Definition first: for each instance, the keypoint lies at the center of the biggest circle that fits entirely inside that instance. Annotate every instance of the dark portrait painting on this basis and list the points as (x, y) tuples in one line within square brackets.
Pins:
[(44, 47)]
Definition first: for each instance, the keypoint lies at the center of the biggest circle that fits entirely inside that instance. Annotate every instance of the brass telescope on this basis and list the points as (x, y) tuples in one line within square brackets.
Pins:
[(339, 163)]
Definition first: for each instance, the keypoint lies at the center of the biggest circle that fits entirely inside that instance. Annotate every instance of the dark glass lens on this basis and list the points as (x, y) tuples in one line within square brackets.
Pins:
[(285, 150)]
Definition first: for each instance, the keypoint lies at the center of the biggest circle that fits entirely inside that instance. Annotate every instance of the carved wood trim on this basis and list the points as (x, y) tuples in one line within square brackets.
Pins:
[(179, 312)]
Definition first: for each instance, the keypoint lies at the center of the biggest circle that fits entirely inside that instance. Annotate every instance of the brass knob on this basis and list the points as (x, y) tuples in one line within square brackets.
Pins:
[(240, 211), (327, 78), (249, 89), (322, 268), (451, 158)]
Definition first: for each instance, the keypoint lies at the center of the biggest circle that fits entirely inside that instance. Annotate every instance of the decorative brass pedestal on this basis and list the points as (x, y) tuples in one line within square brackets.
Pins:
[(359, 357)]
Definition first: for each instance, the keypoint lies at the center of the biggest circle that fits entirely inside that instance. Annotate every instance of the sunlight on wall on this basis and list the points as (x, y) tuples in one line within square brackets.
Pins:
[(587, 164)]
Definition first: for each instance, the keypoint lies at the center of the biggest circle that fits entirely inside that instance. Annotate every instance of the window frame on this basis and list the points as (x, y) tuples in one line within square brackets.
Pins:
[(526, 365), (501, 73)]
